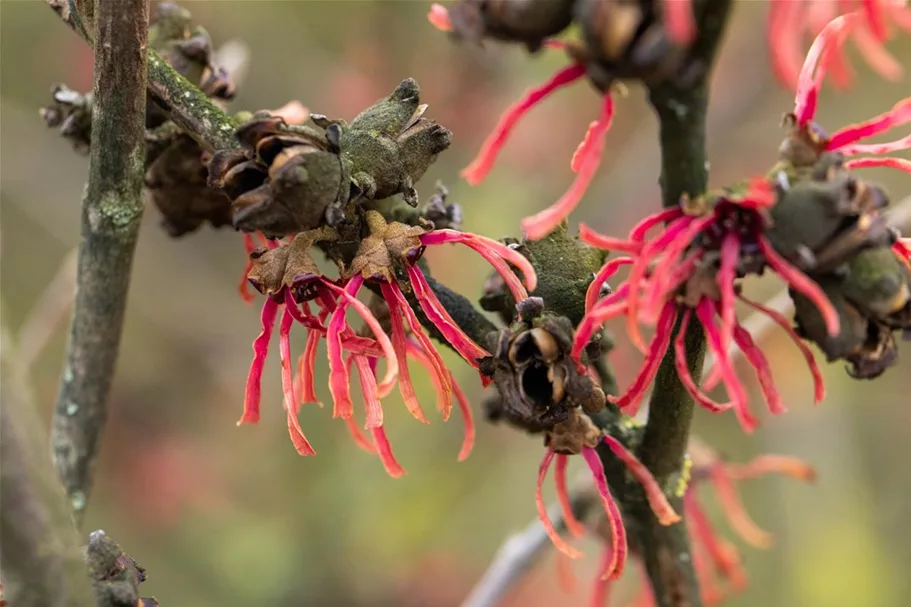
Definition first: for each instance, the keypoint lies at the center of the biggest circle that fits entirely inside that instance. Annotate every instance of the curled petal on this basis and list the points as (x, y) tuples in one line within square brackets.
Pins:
[(814, 68), (657, 501), (874, 13), (465, 408), (253, 390), (602, 241), (392, 368), (801, 282), (300, 442), (359, 439), (338, 371), (639, 231), (618, 531), (610, 307), (763, 371), (784, 17), (558, 541), (705, 311), (438, 315), (727, 273), (399, 342), (686, 376), (736, 513), (384, 449), (494, 253), (601, 593), (876, 56), (607, 270), (439, 18), (475, 172), (306, 369), (366, 375), (901, 164), (630, 400), (586, 162), (819, 387), (899, 114), (765, 464), (439, 373), (569, 517), (722, 553)]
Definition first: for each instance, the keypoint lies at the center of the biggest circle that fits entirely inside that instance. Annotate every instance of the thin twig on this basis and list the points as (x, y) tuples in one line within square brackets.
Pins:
[(46, 315), (522, 550), (40, 556), (111, 213)]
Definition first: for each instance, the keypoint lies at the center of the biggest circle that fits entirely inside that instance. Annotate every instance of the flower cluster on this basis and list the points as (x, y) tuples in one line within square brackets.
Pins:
[(811, 221), (716, 560), (789, 21), (386, 260), (645, 43)]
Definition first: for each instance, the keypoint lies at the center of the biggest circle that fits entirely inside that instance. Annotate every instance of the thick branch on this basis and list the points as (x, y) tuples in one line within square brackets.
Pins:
[(111, 213), (681, 111), (40, 556)]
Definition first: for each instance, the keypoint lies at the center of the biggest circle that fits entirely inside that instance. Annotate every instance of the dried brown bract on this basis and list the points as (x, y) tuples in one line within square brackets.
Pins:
[(539, 384), (176, 183)]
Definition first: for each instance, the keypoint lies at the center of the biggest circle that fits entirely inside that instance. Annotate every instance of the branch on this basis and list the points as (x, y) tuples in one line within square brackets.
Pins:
[(41, 558), (185, 104), (681, 111), (111, 213)]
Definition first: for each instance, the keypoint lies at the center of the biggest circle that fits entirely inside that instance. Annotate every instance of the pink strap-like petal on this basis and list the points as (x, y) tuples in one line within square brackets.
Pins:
[(803, 283), (607, 270), (392, 368), (300, 442), (438, 315), (559, 543), (686, 376), (763, 370), (439, 18), (493, 252), (572, 523), (815, 65), (253, 390), (399, 345), (657, 501), (587, 160), (614, 518), (475, 172)]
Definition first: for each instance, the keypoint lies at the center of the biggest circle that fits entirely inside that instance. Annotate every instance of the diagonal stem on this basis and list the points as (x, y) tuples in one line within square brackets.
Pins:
[(111, 213)]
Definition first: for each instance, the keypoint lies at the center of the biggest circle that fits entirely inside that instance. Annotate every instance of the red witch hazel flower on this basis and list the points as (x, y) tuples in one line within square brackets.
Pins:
[(688, 272), (290, 279), (789, 21), (579, 435), (716, 560), (607, 53), (808, 142)]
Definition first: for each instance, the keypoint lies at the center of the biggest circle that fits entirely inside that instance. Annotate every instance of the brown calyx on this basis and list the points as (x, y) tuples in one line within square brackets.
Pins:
[(386, 244), (570, 436), (288, 266)]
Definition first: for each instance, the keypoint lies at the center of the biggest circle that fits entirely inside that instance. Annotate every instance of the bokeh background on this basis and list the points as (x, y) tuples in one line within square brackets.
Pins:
[(222, 515)]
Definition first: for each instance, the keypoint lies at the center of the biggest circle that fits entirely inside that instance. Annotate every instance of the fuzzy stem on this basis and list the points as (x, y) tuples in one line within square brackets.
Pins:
[(111, 213), (40, 553), (681, 111)]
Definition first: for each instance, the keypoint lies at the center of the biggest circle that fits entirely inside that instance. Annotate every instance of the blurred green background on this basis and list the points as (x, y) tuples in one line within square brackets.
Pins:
[(222, 515)]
